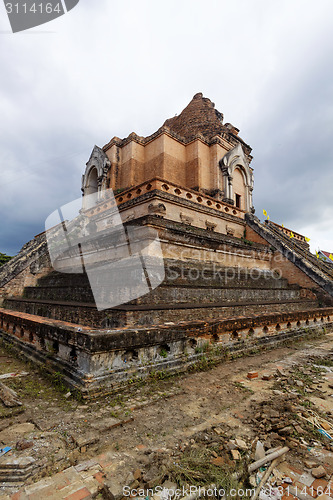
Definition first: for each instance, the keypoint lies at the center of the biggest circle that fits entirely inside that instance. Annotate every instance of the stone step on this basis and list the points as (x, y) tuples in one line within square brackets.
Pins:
[(174, 294), (140, 314), (22, 463), (16, 470), (14, 478)]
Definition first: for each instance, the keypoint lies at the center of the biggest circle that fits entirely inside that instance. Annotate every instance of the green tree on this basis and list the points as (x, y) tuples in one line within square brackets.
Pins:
[(4, 258)]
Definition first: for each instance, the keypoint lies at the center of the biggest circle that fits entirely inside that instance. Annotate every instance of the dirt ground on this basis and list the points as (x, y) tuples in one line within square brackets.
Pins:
[(158, 428)]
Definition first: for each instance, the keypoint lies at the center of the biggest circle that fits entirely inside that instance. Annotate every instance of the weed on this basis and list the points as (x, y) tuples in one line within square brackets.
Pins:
[(195, 467), (243, 388), (204, 347), (323, 361)]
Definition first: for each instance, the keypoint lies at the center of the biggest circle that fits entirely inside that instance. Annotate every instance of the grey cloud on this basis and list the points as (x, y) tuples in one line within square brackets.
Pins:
[(113, 68)]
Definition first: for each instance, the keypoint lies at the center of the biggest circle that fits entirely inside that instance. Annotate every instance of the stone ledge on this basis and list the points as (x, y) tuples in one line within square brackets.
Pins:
[(99, 361), (159, 307)]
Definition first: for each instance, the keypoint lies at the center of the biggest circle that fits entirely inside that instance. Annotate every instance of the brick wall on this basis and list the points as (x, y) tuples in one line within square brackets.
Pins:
[(292, 273), (30, 264), (251, 235), (15, 287)]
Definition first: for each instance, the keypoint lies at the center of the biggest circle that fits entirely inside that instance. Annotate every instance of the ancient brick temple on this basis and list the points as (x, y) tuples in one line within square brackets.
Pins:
[(230, 280)]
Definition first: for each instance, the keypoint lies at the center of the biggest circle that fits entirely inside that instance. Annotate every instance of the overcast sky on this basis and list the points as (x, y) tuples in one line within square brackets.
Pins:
[(109, 68)]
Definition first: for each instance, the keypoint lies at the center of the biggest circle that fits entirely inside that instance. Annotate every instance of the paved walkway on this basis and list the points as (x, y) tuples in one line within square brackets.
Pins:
[(82, 481)]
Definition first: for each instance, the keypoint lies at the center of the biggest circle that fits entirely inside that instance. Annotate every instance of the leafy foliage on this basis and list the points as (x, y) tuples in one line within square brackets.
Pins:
[(4, 258)]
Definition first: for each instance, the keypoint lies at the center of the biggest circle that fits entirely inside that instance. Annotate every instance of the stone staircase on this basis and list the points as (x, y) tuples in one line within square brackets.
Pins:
[(192, 290), (15, 471), (320, 272)]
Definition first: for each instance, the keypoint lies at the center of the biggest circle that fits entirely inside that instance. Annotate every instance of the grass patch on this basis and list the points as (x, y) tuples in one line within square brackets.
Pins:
[(195, 467), (243, 388)]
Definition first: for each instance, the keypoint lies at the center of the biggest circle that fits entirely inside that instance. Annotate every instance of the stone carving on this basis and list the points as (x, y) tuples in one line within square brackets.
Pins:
[(157, 208), (94, 178), (185, 218), (210, 225), (236, 159)]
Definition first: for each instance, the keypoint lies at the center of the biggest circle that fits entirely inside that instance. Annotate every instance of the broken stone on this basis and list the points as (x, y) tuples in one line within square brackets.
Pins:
[(85, 440), (241, 444), (219, 461), (134, 484), (260, 451), (231, 445), (235, 455), (8, 396), (129, 478), (318, 472), (253, 482), (24, 445), (267, 376), (310, 464), (137, 475), (306, 478), (286, 431), (73, 457)]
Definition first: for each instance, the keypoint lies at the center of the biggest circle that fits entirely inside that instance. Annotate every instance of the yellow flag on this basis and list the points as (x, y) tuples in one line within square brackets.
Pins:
[(267, 217), (282, 224), (317, 254), (291, 234), (307, 239), (265, 213), (331, 256)]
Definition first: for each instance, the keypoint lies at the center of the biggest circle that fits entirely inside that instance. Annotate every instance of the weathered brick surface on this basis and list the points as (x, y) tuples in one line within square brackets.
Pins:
[(251, 235), (208, 276), (31, 263), (199, 117), (102, 358), (292, 273)]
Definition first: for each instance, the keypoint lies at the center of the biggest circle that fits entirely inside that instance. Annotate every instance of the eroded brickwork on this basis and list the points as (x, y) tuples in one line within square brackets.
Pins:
[(25, 269)]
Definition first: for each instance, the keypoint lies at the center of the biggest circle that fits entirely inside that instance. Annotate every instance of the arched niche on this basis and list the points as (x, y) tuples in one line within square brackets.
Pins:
[(91, 189), (95, 177), (237, 179)]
